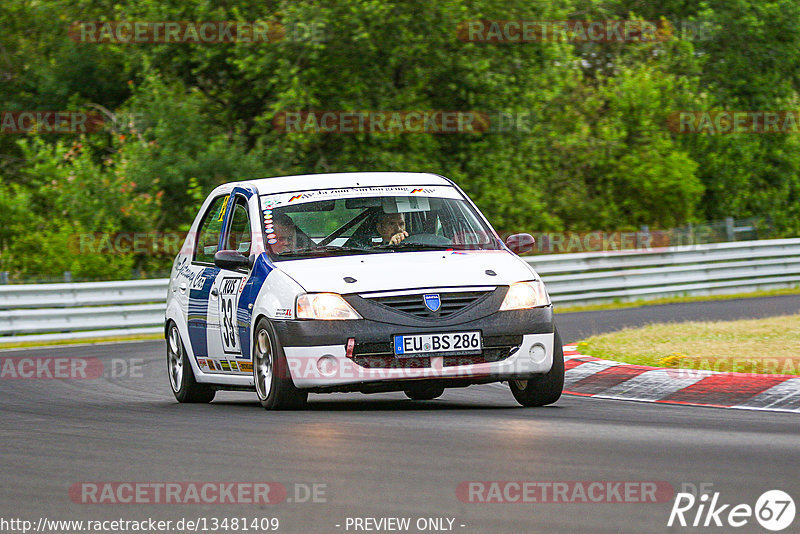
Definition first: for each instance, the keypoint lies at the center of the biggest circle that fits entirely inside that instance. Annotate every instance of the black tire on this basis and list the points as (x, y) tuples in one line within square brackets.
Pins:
[(542, 389), (271, 376), (181, 377), (424, 392)]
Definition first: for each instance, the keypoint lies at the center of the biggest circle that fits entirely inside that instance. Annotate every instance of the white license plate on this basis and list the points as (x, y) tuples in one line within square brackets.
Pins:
[(454, 343)]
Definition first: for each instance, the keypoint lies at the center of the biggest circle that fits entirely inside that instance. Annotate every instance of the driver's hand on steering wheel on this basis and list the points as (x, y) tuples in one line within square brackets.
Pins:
[(396, 238)]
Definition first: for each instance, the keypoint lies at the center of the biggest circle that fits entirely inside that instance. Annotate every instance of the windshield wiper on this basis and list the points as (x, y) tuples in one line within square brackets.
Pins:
[(403, 244), (431, 246), (326, 249), (473, 246)]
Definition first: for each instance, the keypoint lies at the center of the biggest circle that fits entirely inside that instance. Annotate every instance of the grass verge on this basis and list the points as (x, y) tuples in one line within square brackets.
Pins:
[(764, 346), (672, 300), (29, 344)]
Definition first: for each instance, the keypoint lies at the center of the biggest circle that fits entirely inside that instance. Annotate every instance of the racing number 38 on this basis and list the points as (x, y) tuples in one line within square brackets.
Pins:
[(229, 291)]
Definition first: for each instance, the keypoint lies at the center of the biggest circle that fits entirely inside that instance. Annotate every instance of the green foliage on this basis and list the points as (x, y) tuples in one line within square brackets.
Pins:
[(594, 152), (167, 137), (74, 197)]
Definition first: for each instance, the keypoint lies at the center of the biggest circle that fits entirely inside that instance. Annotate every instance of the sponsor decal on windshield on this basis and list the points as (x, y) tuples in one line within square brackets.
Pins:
[(282, 199)]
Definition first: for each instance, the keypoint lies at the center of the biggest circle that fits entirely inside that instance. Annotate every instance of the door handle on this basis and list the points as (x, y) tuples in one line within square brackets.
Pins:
[(183, 287), (214, 292)]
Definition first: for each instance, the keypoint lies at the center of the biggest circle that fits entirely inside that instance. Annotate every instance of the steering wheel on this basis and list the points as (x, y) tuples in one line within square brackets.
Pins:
[(426, 239)]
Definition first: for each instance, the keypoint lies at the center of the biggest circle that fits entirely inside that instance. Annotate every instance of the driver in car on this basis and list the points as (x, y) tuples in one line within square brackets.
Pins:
[(391, 227)]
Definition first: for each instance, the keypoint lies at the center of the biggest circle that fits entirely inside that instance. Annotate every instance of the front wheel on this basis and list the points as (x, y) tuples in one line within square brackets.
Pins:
[(181, 377), (271, 375), (543, 389)]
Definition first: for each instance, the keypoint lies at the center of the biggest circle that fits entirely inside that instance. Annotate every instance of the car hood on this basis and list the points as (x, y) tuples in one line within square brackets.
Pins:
[(407, 270)]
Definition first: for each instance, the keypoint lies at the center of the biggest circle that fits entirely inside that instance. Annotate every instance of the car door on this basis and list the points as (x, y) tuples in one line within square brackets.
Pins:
[(203, 309), (228, 287)]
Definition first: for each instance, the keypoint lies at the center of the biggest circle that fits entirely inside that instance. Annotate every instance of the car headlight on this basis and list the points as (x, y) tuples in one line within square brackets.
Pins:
[(325, 306), (522, 295)]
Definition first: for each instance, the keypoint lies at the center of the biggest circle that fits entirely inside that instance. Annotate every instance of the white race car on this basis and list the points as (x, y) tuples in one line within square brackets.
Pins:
[(365, 282)]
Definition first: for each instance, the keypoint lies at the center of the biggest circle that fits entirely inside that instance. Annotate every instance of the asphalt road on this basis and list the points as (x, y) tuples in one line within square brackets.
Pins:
[(382, 455)]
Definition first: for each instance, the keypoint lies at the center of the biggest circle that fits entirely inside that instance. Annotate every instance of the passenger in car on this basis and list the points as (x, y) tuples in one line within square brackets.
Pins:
[(288, 235), (285, 233)]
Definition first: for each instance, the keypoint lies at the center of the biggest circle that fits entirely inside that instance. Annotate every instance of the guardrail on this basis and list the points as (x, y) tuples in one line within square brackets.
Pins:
[(695, 270), (49, 312)]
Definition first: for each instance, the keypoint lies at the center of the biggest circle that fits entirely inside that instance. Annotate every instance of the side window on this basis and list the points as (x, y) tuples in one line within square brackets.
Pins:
[(209, 231), (238, 237)]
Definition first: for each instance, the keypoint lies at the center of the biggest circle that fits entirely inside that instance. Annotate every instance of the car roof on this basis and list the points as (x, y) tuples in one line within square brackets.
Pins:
[(306, 182)]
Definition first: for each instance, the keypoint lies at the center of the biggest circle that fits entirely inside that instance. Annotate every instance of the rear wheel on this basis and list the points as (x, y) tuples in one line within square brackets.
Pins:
[(271, 375), (542, 389), (424, 392), (181, 376)]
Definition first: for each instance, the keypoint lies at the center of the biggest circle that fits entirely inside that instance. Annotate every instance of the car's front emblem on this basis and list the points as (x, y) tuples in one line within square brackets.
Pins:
[(432, 301)]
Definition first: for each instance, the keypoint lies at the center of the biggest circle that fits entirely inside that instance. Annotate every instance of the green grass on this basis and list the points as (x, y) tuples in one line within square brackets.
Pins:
[(28, 344), (672, 300), (770, 345)]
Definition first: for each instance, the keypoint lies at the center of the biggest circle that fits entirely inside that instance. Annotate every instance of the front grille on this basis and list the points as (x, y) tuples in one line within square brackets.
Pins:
[(415, 304), (390, 362), (381, 355)]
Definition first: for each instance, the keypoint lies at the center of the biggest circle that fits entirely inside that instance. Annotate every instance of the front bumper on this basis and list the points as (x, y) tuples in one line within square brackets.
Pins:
[(516, 344), (327, 366)]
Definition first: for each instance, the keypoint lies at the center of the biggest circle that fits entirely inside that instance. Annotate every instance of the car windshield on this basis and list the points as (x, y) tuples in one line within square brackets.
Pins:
[(368, 220)]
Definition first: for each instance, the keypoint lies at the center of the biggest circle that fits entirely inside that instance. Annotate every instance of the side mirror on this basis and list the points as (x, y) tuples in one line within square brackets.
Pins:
[(231, 260), (520, 243)]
